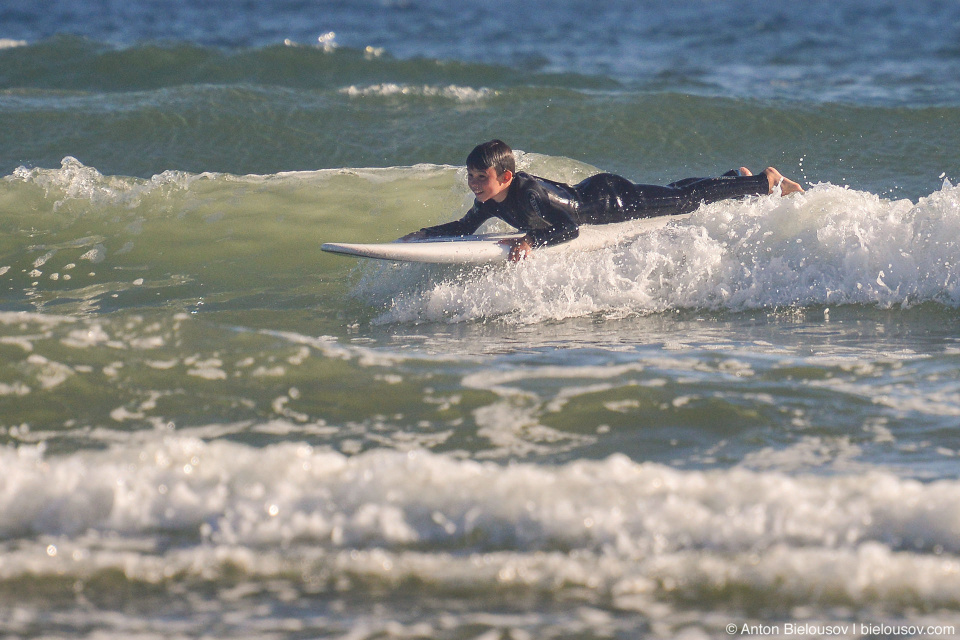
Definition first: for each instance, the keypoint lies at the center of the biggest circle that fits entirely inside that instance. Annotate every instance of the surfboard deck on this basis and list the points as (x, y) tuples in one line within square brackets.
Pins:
[(485, 248)]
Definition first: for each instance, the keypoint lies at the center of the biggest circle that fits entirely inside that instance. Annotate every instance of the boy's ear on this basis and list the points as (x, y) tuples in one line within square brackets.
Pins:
[(506, 176)]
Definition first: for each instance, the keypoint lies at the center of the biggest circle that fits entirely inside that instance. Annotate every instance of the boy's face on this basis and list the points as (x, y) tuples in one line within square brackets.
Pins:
[(486, 184)]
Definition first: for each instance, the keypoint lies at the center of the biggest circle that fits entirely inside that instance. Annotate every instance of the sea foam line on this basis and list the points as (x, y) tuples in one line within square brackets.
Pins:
[(633, 531), (450, 92), (237, 494)]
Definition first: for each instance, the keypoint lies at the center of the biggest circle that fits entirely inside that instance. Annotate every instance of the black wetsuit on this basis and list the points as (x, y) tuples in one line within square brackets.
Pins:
[(551, 212)]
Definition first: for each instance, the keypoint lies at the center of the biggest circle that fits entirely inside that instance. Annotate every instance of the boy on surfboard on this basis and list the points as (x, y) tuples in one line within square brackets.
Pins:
[(551, 212)]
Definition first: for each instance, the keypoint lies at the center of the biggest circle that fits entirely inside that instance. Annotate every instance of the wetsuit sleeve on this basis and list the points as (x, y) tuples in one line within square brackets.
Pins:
[(462, 227)]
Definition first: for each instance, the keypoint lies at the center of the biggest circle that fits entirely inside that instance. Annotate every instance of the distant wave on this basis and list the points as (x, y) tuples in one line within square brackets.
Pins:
[(70, 62)]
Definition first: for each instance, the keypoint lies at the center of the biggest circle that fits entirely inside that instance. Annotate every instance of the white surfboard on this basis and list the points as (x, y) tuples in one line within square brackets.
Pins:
[(483, 248)]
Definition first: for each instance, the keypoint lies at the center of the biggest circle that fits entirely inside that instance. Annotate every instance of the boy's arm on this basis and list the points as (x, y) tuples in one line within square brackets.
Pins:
[(462, 227), (557, 234)]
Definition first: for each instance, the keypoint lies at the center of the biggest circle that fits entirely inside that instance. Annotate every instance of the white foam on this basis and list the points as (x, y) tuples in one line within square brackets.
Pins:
[(205, 368), (829, 246), (449, 92), (629, 530), (76, 181), (331, 347)]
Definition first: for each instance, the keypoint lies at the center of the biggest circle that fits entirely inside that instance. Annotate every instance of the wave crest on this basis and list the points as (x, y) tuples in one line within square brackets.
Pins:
[(830, 246)]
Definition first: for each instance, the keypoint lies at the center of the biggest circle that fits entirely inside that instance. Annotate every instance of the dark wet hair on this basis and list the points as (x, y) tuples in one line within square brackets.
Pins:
[(496, 154)]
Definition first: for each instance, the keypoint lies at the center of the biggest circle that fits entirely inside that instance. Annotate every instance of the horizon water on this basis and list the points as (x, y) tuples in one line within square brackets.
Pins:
[(741, 425)]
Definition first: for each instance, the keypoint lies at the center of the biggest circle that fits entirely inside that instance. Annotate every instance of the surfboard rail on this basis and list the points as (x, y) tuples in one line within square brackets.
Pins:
[(485, 247)]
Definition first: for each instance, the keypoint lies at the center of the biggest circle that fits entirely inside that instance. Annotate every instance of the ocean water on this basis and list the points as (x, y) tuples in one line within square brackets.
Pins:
[(742, 425)]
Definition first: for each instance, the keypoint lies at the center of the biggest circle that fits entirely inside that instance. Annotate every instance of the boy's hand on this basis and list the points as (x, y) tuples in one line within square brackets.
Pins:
[(520, 248)]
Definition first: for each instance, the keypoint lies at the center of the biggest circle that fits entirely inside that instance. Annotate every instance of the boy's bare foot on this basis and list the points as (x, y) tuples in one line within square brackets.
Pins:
[(787, 186), (743, 171)]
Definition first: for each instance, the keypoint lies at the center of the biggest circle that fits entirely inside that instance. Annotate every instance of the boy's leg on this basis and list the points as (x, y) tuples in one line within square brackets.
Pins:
[(650, 201), (726, 187), (609, 198), (742, 171)]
